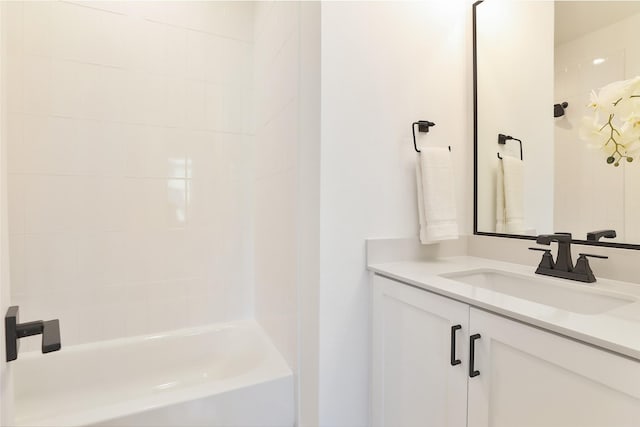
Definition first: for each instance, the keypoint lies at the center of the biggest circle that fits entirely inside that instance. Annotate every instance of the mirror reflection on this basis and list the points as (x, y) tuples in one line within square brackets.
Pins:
[(558, 118)]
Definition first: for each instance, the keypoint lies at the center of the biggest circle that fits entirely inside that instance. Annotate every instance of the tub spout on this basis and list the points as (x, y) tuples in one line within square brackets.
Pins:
[(49, 329)]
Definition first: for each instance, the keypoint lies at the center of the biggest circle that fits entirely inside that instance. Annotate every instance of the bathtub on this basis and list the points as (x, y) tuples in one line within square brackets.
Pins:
[(219, 375)]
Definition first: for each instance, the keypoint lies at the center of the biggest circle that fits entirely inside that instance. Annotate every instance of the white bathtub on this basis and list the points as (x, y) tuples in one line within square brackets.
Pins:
[(219, 375)]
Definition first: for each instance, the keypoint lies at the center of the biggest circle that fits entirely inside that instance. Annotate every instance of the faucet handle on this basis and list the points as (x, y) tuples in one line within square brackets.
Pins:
[(546, 263), (594, 256), (583, 268)]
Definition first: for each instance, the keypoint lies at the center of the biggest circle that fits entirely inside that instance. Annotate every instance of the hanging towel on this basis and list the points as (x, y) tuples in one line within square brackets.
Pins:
[(501, 223), (509, 197), (436, 196)]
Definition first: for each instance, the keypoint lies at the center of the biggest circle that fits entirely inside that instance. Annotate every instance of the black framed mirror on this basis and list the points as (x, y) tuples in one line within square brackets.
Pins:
[(542, 75)]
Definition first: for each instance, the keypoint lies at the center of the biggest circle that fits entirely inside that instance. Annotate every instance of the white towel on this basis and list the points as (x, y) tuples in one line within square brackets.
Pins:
[(501, 224), (509, 196), (436, 195)]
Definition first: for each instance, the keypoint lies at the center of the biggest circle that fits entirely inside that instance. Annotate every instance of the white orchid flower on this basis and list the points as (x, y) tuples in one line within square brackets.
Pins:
[(592, 131), (618, 132)]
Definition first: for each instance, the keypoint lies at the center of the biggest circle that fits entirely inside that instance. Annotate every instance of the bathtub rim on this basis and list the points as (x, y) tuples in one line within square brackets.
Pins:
[(272, 368)]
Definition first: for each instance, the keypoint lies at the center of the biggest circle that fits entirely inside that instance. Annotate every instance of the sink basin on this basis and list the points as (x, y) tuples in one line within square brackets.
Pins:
[(577, 298)]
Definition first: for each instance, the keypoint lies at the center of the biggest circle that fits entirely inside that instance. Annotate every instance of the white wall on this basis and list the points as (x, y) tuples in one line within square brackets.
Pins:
[(590, 194), (129, 149), (384, 65), (515, 96)]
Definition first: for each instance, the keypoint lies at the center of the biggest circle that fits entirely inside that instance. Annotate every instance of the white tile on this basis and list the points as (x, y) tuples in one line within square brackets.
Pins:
[(144, 98), (154, 99), (52, 203), (100, 148), (203, 157), (14, 69), (49, 145), (69, 86), (154, 152), (135, 309), (196, 57), (51, 262), (176, 61), (88, 91), (186, 254), (227, 60), (16, 203), (149, 10), (176, 203), (202, 204), (37, 85), (276, 143), (189, 15), (110, 39), (144, 257), (13, 27), (195, 105), (101, 259), (225, 107), (230, 19), (233, 157), (146, 46), (101, 202), (16, 153), (103, 99), (18, 264), (215, 113), (74, 31), (166, 307), (38, 29), (176, 109), (155, 204)]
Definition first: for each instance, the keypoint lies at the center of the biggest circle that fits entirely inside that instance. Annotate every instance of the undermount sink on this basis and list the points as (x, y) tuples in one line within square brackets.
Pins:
[(577, 298)]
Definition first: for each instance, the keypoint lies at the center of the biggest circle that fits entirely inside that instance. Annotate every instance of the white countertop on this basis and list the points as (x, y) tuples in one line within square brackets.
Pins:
[(617, 330)]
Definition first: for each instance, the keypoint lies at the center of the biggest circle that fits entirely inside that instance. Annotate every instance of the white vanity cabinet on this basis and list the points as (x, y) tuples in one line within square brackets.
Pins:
[(414, 382), (533, 378), (527, 377)]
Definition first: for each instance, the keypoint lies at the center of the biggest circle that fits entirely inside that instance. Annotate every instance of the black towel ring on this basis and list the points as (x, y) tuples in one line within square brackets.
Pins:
[(423, 126), (502, 140)]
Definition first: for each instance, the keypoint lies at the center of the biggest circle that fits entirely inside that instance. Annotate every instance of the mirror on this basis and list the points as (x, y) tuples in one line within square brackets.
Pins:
[(557, 119)]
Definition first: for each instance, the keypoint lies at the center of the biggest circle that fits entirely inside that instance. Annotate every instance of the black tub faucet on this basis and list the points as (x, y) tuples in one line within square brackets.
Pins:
[(13, 330)]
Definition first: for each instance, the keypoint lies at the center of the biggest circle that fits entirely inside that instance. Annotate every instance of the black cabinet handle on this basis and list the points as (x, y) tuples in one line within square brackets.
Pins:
[(472, 355), (454, 361)]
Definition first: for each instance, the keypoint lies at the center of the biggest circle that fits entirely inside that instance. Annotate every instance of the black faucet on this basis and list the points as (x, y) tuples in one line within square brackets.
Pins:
[(49, 329), (563, 265), (594, 236), (563, 260)]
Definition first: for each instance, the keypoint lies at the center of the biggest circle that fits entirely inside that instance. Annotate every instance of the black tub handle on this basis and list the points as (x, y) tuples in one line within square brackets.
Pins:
[(472, 355), (454, 361)]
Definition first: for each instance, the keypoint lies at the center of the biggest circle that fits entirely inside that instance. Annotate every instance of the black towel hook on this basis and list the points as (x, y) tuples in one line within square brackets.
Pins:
[(423, 126)]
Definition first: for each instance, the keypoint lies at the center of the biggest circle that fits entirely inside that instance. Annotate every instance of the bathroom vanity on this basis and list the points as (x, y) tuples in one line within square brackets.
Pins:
[(466, 341)]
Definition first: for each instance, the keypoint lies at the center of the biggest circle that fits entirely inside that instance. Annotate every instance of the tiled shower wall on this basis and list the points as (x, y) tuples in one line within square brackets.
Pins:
[(129, 160), (276, 79)]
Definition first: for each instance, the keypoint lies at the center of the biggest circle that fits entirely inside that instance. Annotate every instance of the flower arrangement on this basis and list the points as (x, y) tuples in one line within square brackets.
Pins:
[(615, 124)]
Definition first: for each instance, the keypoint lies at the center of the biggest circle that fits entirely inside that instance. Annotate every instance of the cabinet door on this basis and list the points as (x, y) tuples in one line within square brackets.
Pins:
[(413, 381), (532, 378)]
